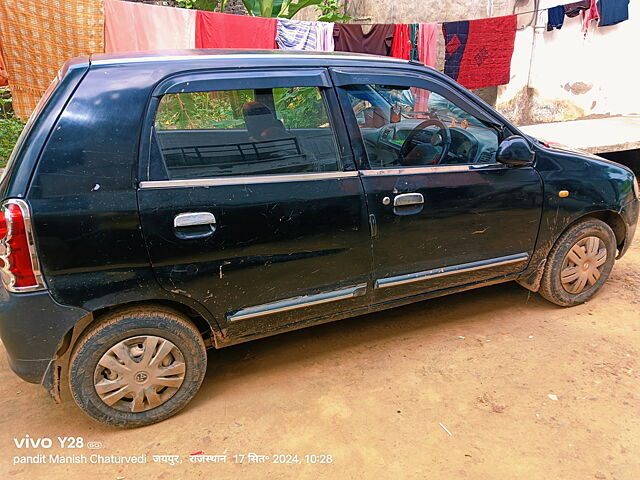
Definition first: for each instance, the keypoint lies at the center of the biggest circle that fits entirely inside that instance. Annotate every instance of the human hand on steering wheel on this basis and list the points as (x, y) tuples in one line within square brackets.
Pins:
[(415, 152)]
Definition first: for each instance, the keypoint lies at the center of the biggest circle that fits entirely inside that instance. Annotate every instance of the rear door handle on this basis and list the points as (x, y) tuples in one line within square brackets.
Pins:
[(193, 225), (193, 219), (407, 199)]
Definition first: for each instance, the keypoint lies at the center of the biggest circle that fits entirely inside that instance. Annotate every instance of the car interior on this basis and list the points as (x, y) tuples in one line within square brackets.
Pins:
[(262, 135), (404, 126)]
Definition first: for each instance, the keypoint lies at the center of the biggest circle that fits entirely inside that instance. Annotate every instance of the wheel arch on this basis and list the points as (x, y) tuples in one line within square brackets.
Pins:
[(613, 219), (533, 276), (211, 335), (208, 331)]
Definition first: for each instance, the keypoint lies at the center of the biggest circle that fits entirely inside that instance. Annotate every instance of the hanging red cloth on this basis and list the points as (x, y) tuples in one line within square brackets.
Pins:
[(401, 47), (590, 15), (427, 43), (221, 30), (478, 52)]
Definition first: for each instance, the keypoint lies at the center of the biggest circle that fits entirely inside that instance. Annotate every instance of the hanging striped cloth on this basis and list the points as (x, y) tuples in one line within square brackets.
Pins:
[(296, 35)]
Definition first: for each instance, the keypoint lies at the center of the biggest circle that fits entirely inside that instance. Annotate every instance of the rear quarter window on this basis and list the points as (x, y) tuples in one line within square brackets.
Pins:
[(29, 125)]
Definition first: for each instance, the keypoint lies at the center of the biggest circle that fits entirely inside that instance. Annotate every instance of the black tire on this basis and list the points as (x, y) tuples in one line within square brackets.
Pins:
[(552, 287), (155, 324)]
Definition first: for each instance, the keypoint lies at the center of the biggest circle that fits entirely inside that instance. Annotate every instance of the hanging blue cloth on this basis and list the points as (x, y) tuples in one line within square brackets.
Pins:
[(556, 18), (613, 12)]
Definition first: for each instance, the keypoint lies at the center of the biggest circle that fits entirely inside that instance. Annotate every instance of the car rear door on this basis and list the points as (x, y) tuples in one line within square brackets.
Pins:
[(252, 204), (440, 222)]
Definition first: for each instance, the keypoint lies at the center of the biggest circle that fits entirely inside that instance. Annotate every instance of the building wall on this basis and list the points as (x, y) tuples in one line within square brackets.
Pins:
[(424, 11), (555, 76), (414, 11), (563, 75)]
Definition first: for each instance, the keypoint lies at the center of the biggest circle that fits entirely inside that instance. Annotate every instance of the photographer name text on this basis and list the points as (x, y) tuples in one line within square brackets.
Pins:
[(93, 458)]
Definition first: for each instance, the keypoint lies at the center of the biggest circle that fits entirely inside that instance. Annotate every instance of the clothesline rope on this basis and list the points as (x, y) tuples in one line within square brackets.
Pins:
[(538, 10)]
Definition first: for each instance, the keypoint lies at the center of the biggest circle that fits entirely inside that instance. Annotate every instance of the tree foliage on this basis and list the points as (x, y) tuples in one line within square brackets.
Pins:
[(297, 107), (10, 128), (329, 10), (206, 5)]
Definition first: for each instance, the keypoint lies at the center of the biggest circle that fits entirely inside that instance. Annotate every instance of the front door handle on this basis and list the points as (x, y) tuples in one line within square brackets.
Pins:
[(193, 219), (406, 199), (194, 225)]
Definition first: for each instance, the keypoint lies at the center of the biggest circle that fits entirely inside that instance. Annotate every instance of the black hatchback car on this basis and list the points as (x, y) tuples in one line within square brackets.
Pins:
[(160, 204)]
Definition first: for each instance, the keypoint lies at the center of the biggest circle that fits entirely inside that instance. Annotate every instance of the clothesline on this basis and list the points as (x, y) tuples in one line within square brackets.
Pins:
[(477, 52), (442, 23)]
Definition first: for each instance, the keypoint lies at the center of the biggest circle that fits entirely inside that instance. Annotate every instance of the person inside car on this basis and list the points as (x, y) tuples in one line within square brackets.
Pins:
[(262, 124)]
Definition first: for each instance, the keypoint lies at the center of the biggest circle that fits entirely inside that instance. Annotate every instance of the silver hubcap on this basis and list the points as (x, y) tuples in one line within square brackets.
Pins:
[(139, 373), (582, 266)]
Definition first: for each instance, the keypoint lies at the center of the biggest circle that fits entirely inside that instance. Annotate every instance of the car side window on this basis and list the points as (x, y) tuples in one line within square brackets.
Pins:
[(245, 132), (410, 126)]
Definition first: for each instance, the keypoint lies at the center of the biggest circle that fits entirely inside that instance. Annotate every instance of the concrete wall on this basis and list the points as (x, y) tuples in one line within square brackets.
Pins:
[(563, 75), (556, 76), (418, 11), (414, 11)]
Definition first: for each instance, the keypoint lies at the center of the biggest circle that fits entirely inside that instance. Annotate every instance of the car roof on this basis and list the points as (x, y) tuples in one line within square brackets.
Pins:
[(274, 57)]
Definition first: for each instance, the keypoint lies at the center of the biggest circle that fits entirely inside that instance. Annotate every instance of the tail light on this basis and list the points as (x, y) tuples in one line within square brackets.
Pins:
[(19, 265)]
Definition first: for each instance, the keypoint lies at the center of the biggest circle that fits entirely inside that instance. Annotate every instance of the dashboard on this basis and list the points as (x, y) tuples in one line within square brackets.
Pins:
[(471, 145)]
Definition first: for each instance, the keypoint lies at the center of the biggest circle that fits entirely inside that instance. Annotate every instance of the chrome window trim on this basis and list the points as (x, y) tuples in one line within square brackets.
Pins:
[(248, 179), (302, 177), (5, 249), (298, 302), (452, 270), (429, 169)]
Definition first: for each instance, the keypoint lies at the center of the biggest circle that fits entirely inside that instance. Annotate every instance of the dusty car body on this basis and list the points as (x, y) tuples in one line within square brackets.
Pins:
[(143, 203)]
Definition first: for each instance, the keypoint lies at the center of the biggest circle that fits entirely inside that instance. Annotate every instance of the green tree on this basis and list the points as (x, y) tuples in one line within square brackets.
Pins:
[(277, 8), (331, 11), (206, 5), (10, 127)]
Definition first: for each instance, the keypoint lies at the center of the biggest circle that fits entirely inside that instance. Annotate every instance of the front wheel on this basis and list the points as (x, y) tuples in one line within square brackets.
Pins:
[(137, 367), (579, 263)]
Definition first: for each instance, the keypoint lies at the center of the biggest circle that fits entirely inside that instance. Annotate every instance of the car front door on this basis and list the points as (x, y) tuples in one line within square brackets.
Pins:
[(252, 204), (445, 212)]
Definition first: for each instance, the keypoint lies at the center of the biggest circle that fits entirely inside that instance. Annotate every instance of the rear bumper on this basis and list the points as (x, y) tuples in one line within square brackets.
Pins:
[(630, 215), (32, 326)]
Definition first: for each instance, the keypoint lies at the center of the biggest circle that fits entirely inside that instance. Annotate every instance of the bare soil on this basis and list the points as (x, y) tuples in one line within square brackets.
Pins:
[(495, 383)]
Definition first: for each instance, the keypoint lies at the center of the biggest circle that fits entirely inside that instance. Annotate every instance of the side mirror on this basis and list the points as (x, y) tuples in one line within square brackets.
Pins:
[(515, 151)]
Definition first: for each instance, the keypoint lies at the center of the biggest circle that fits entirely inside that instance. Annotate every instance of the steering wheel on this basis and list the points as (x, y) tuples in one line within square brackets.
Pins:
[(410, 151)]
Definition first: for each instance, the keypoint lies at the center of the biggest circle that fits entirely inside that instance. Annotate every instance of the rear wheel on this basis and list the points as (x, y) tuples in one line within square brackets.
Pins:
[(137, 367), (579, 263)]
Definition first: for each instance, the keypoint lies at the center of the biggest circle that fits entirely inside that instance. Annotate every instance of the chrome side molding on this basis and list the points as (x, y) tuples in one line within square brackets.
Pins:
[(452, 270), (298, 302)]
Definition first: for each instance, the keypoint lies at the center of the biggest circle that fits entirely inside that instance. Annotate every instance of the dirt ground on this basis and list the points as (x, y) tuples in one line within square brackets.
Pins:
[(494, 383)]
